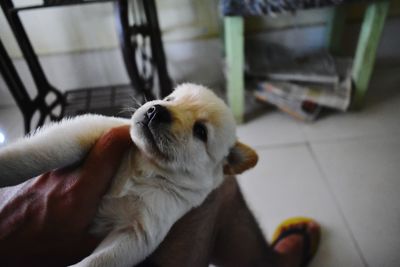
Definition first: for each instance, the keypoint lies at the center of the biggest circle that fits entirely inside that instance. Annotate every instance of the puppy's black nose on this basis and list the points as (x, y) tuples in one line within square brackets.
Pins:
[(158, 114)]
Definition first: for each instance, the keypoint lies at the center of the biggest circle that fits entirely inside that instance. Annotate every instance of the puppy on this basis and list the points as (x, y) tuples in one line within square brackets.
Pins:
[(183, 146)]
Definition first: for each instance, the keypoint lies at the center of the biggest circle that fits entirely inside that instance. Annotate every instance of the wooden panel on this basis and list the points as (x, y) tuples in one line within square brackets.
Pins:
[(234, 48), (368, 41)]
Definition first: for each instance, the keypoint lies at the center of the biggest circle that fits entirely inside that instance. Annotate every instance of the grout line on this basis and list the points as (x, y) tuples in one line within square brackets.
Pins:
[(337, 204), (281, 145), (352, 138), (307, 141), (346, 138)]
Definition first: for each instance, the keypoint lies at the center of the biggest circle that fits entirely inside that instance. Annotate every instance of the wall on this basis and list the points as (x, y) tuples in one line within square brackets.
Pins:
[(91, 27), (79, 48)]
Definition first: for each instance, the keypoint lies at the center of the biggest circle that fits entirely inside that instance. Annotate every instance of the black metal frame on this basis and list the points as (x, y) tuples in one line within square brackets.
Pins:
[(28, 106), (144, 26), (141, 73)]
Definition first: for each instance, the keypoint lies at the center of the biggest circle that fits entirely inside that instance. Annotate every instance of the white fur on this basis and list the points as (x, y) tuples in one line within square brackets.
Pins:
[(53, 146), (149, 194)]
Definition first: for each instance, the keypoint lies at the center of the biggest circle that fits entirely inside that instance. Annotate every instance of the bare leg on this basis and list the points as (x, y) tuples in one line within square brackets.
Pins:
[(223, 231), (239, 241)]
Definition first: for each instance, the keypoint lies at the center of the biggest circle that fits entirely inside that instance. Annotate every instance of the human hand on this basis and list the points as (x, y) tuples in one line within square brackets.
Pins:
[(45, 220)]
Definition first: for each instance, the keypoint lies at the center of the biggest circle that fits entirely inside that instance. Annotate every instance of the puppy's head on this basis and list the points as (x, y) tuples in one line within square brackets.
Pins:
[(191, 132)]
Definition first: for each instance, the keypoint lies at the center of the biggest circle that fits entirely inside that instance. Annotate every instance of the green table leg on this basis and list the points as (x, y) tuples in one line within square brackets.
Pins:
[(371, 29), (234, 49), (335, 28)]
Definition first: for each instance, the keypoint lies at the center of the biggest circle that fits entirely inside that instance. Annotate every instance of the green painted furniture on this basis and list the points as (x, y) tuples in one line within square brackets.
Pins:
[(371, 29)]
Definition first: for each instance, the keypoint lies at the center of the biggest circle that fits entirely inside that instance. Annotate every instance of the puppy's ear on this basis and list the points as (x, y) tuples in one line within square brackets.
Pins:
[(241, 157)]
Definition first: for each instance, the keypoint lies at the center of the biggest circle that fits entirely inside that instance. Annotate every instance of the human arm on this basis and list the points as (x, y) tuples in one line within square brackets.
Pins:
[(45, 220)]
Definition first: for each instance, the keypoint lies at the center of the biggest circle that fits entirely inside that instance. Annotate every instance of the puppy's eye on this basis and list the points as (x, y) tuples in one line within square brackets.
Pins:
[(169, 98), (200, 131)]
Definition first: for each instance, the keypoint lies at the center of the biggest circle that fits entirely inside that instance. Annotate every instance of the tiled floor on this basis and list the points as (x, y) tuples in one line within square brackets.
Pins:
[(343, 170)]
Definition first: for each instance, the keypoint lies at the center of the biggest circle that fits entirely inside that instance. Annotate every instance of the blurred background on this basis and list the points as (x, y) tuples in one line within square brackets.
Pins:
[(314, 87)]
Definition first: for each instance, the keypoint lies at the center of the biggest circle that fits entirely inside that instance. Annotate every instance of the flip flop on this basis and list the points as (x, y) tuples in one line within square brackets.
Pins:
[(282, 232)]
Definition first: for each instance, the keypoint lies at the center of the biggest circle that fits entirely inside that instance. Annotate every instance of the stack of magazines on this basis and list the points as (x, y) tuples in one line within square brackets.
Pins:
[(302, 87)]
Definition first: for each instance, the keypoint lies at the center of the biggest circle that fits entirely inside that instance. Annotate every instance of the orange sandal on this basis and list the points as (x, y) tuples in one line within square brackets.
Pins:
[(284, 231)]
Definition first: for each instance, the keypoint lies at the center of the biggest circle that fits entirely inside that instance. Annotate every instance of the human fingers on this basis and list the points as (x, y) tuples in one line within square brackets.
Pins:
[(101, 164)]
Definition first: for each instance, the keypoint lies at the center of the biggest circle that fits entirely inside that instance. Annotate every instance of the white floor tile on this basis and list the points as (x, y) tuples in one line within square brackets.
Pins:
[(286, 183), (342, 126), (273, 128), (364, 174)]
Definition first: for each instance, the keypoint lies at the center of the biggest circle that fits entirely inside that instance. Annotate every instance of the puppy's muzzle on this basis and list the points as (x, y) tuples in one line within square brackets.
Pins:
[(157, 114)]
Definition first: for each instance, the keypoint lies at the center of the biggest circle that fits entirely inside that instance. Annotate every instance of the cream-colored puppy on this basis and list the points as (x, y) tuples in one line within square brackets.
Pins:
[(183, 145)]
